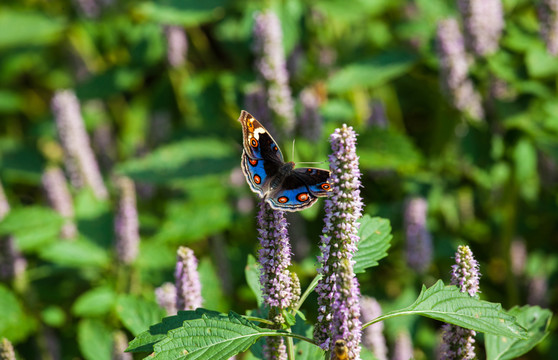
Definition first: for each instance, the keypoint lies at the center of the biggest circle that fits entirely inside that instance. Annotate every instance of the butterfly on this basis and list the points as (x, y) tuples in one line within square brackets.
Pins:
[(278, 182)]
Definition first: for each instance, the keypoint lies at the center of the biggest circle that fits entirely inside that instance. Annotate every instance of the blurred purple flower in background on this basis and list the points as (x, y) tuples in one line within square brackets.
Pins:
[(484, 23), (373, 336), (457, 342), (60, 199), (7, 350), (166, 297), (126, 222), (454, 67), (12, 263), (338, 290), (272, 69), (403, 348), (548, 17), (177, 45), (89, 8), (418, 239), (188, 286), (310, 120), (119, 346), (78, 155), (378, 117)]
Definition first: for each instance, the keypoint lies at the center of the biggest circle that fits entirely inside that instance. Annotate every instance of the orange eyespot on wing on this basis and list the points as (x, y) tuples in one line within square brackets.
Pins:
[(254, 142), (250, 125), (257, 179), (275, 148), (302, 197), (283, 199), (326, 187), (253, 162)]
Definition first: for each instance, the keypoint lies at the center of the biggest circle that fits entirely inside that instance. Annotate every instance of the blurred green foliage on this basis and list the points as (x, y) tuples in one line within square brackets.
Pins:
[(487, 183)]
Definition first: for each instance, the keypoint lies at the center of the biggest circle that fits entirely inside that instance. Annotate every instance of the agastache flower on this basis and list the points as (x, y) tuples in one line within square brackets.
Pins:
[(126, 223), (60, 199), (12, 263), (484, 22), (338, 290), (177, 45), (457, 342), (119, 347), (89, 8), (166, 297), (403, 349), (378, 116), (78, 155), (454, 69), (7, 350), (188, 286), (548, 16), (275, 279), (373, 338), (418, 239), (272, 68), (311, 122)]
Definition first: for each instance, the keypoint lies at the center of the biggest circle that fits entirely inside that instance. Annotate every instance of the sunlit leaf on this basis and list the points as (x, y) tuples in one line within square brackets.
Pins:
[(375, 236), (534, 319)]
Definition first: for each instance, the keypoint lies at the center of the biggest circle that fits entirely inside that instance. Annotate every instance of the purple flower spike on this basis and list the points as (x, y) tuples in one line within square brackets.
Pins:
[(276, 280), (457, 342), (12, 263), (119, 346), (272, 68), (60, 199), (311, 121), (403, 349), (338, 290), (548, 16), (274, 257), (78, 155), (188, 286), (419, 240), (373, 336), (484, 22), (126, 222), (166, 297), (177, 45), (7, 350), (454, 69), (4, 204)]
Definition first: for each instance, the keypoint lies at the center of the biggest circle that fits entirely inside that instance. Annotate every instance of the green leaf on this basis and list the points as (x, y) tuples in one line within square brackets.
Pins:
[(95, 340), (532, 318), (75, 253), (28, 28), (15, 325), (448, 304), (308, 351), (384, 149), (188, 221), (181, 12), (372, 72), (145, 341), (211, 337), (375, 236), (95, 302), (252, 272), (155, 255), (137, 314), (32, 226), (181, 160), (540, 63), (212, 289)]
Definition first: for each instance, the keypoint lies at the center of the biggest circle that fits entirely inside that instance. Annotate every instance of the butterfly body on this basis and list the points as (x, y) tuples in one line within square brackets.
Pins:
[(284, 187)]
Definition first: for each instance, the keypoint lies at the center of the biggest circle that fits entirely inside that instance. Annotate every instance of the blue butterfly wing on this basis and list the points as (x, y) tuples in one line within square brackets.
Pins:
[(261, 158), (300, 189)]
